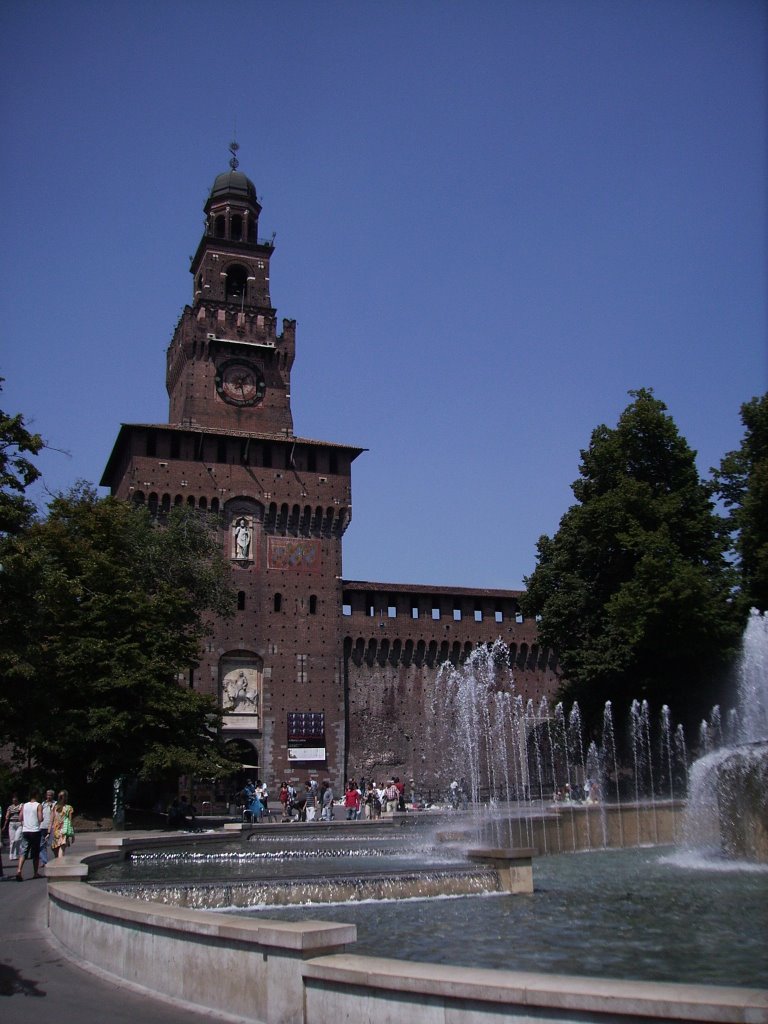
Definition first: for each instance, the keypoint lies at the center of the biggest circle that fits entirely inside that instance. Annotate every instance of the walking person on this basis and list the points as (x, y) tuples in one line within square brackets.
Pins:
[(284, 798), (62, 831), (400, 786), (372, 802), (327, 801), (352, 801), (310, 801), (13, 824), (31, 822), (45, 840), (392, 796), (255, 807)]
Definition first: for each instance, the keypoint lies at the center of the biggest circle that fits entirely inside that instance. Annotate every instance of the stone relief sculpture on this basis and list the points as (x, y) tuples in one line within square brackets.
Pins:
[(240, 693)]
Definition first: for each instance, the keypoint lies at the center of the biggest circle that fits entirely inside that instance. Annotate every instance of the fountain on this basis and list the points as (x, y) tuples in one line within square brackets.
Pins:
[(727, 813), (614, 919), (527, 777), (619, 913), (314, 864)]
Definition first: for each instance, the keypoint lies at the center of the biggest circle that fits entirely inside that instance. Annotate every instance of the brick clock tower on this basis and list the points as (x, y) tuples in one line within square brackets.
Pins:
[(282, 502)]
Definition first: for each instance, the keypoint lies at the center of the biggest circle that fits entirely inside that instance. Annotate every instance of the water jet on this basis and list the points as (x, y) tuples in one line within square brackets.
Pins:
[(727, 812)]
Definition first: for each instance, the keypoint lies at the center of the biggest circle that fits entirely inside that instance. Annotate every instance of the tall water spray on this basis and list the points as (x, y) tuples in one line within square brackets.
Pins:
[(510, 762), (727, 806), (753, 681)]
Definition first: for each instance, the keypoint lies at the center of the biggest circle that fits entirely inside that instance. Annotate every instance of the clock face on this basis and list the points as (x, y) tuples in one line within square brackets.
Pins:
[(240, 382)]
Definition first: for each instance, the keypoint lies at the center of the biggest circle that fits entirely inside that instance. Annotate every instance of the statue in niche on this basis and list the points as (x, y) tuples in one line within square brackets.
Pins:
[(242, 534), (239, 696)]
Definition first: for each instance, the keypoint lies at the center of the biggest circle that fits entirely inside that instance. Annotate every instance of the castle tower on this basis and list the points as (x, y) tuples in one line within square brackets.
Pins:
[(227, 365), (282, 502)]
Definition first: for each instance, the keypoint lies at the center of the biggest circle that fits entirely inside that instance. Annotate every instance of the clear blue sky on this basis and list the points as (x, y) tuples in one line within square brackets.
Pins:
[(493, 220)]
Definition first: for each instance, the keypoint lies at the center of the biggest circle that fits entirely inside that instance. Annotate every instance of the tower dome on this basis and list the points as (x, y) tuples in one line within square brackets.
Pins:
[(233, 184)]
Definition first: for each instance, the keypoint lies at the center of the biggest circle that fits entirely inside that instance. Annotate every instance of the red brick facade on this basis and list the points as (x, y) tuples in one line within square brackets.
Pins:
[(303, 640)]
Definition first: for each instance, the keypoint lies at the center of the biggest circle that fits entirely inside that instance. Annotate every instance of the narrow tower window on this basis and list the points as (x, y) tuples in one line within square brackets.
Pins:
[(237, 277)]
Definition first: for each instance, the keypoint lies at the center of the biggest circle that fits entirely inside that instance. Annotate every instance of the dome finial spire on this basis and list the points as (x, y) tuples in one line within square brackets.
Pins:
[(234, 162)]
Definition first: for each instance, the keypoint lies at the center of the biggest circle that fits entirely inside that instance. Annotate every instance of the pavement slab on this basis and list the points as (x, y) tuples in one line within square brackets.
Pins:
[(40, 981)]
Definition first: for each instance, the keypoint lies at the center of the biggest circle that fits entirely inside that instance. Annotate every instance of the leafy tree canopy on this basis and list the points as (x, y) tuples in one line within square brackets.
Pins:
[(17, 472), (742, 483), (102, 614), (633, 590)]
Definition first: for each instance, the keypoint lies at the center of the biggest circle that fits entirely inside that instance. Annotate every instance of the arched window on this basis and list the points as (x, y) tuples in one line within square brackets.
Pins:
[(237, 277), (219, 226), (236, 227)]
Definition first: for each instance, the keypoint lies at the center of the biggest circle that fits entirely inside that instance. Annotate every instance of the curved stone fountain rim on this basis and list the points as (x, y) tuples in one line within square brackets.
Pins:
[(305, 973)]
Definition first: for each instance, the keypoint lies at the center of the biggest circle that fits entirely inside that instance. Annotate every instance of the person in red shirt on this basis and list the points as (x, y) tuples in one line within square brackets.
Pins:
[(400, 787), (352, 801)]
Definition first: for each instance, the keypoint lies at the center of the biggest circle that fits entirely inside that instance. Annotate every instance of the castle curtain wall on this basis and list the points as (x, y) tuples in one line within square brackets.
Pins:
[(397, 637)]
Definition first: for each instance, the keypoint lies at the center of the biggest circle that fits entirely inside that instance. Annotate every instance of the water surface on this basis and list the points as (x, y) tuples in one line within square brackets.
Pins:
[(618, 914)]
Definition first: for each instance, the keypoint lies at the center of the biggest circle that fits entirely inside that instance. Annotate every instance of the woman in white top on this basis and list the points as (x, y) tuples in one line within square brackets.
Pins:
[(13, 823)]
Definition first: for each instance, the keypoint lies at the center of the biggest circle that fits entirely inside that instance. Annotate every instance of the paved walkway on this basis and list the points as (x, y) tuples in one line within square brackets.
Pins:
[(39, 982)]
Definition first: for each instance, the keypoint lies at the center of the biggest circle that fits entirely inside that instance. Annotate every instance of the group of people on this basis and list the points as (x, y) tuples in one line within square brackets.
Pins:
[(366, 800), (316, 801), (589, 793), (312, 803), (458, 797), (255, 800), (38, 829)]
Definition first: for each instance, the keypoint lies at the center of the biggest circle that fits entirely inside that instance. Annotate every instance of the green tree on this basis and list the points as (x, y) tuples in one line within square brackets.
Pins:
[(742, 484), (633, 590), (17, 472), (101, 616)]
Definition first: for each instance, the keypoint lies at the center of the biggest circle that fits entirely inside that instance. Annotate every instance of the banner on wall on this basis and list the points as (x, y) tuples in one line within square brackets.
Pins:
[(296, 554), (306, 736)]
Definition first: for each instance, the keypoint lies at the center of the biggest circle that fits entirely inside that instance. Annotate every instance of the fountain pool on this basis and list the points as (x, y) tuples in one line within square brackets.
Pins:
[(646, 913), (641, 914)]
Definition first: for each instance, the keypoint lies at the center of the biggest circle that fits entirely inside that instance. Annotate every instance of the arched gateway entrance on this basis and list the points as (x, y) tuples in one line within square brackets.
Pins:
[(244, 753)]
